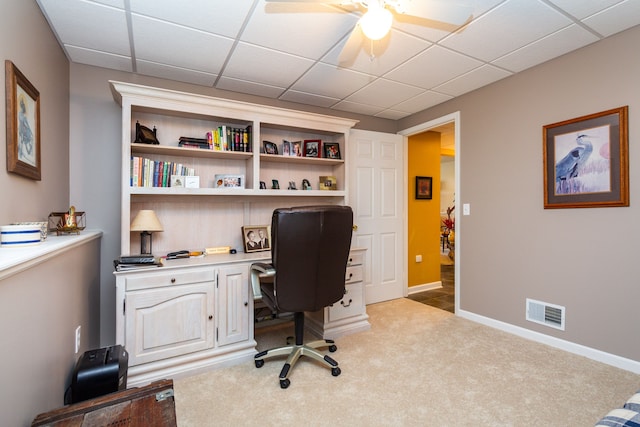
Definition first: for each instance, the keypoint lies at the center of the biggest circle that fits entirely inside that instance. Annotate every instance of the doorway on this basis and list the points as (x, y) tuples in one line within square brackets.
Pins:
[(449, 126)]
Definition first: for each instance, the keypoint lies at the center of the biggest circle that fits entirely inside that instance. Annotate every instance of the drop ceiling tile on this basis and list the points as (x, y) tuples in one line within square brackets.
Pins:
[(513, 24), (170, 44), (561, 42), (472, 80), (422, 101), (330, 81), (250, 88), (266, 66), (175, 73), (308, 98), (355, 107), (99, 59), (304, 29), (379, 57), (616, 18), (213, 16), (582, 9), (113, 3), (90, 25), (392, 114), (384, 93), (433, 67)]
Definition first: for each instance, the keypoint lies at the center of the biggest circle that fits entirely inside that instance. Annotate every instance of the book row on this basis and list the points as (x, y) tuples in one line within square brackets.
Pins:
[(153, 173), (227, 138)]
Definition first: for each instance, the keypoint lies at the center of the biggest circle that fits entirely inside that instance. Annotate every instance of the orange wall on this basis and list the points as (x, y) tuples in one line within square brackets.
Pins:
[(424, 215)]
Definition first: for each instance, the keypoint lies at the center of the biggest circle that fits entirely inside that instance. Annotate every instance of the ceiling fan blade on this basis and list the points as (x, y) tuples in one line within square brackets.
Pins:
[(453, 12), (351, 47)]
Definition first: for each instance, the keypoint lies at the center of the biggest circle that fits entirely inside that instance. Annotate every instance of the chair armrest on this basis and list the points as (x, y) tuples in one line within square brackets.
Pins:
[(260, 270)]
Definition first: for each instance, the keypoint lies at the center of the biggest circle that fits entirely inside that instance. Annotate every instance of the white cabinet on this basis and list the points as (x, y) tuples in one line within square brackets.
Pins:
[(348, 315), (184, 317)]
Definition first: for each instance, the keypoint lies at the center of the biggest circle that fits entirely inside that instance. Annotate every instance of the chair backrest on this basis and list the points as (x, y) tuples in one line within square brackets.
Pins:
[(310, 249)]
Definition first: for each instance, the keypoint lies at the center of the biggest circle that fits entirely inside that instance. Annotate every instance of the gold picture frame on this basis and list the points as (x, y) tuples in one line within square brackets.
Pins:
[(23, 124), (586, 162)]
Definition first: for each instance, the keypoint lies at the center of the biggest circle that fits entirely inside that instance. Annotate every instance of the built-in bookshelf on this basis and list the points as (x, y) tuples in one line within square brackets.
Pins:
[(208, 215)]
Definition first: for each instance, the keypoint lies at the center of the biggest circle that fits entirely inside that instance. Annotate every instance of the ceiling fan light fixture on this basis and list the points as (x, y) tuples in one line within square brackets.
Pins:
[(376, 23)]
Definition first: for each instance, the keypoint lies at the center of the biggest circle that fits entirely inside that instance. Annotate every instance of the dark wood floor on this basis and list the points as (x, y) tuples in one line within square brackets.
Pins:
[(443, 298)]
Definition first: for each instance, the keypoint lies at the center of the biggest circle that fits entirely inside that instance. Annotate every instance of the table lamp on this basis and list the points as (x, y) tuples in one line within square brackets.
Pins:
[(146, 222)]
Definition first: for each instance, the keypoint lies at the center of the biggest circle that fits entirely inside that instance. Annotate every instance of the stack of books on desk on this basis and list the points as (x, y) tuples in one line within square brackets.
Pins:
[(134, 262)]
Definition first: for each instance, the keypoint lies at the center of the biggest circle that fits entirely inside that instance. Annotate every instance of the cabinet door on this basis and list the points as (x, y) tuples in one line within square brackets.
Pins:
[(169, 321), (233, 304)]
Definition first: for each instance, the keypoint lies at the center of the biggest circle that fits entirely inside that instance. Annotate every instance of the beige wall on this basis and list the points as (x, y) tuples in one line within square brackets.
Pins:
[(27, 41), (510, 247)]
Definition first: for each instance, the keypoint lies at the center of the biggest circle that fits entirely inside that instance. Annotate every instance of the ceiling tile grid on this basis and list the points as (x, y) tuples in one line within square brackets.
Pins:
[(293, 51)]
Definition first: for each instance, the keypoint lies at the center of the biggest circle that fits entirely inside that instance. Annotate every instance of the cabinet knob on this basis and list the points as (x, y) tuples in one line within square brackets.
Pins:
[(173, 280), (210, 317), (246, 303), (354, 227)]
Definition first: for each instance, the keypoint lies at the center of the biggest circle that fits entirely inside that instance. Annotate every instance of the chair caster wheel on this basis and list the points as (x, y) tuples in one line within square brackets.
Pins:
[(259, 363), (285, 383), (335, 371), (332, 348)]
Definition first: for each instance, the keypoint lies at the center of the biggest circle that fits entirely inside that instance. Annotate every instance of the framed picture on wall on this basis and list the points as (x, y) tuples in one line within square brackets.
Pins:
[(424, 188), (586, 161), (23, 124)]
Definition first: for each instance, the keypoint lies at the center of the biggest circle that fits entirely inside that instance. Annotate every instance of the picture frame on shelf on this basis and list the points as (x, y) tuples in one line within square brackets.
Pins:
[(286, 148), (256, 238), (332, 150), (312, 148), (228, 181), (586, 162), (269, 147), (328, 183), (424, 187), (23, 124), (296, 148)]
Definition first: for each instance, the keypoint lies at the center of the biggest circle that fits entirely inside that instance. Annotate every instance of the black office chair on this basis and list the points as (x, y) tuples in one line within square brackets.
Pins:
[(309, 252)]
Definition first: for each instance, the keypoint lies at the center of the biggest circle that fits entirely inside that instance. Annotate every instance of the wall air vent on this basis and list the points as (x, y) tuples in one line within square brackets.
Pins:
[(545, 314)]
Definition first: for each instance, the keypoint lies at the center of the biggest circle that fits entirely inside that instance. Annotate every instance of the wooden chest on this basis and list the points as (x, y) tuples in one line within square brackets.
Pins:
[(152, 405)]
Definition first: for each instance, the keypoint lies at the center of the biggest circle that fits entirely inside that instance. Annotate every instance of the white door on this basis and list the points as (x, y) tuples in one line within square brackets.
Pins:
[(376, 196)]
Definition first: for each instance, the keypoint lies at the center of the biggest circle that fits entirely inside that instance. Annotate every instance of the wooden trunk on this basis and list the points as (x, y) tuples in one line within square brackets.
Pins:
[(152, 405)]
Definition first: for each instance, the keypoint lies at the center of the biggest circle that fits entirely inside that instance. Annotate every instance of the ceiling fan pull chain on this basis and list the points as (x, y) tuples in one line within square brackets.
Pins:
[(372, 55)]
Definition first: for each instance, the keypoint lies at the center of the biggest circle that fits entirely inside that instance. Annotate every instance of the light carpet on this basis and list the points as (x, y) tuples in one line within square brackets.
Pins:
[(417, 366)]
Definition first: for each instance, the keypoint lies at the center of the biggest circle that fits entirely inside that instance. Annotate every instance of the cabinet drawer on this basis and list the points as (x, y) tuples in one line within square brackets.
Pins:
[(350, 305), (355, 258), (168, 278), (353, 274)]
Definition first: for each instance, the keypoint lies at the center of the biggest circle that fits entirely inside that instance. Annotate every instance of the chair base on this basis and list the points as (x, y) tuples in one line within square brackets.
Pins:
[(297, 350)]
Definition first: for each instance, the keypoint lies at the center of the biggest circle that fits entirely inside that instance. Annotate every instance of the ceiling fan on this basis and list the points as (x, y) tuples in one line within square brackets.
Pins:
[(377, 19)]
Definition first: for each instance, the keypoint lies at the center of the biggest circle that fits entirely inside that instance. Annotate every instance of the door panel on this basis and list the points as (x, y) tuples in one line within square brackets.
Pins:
[(377, 171)]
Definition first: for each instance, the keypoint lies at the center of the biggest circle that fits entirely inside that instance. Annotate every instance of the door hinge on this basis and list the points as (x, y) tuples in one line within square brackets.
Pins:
[(124, 306)]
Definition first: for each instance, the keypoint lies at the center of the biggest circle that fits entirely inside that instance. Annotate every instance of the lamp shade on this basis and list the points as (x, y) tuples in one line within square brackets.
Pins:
[(146, 220)]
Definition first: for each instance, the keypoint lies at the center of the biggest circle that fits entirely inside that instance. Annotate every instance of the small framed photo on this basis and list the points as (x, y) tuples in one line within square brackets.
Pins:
[(256, 238), (328, 183), (286, 148), (424, 189), (332, 150), (23, 124), (296, 148), (229, 181), (312, 147), (269, 147), (586, 161)]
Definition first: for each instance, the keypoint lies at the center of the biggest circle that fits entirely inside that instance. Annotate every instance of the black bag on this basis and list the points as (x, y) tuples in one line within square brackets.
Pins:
[(144, 135)]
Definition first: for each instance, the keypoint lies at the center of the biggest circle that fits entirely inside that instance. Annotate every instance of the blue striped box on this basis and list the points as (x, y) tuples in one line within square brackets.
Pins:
[(19, 235)]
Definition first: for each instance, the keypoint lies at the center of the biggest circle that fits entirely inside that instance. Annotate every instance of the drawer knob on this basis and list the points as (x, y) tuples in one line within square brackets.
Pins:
[(173, 280), (246, 303), (210, 317)]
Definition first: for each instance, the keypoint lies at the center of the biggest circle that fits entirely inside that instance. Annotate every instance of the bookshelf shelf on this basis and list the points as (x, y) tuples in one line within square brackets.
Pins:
[(273, 158), (188, 152)]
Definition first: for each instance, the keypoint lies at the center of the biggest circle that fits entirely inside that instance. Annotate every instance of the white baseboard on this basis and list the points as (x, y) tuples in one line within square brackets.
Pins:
[(581, 350), (425, 287)]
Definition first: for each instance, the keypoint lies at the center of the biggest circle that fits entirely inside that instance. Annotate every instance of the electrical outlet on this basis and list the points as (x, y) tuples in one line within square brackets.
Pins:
[(78, 339), (418, 258)]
